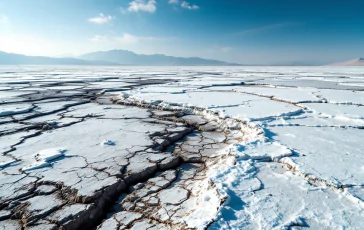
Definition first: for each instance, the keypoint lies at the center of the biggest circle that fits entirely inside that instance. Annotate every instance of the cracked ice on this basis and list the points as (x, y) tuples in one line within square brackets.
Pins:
[(181, 148)]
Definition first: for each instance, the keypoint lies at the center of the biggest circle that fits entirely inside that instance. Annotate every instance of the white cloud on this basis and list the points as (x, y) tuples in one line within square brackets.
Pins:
[(188, 5), (125, 39), (184, 4), (102, 19), (143, 5), (4, 20)]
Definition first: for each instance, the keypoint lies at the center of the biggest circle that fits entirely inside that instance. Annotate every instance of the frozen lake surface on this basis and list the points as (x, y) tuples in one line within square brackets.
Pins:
[(181, 147)]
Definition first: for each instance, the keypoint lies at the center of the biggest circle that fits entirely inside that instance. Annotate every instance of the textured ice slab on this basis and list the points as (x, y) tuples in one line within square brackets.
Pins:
[(295, 95), (342, 96), (352, 113), (8, 110), (318, 121), (227, 104), (267, 197), (164, 89), (6, 95), (264, 152), (310, 84), (211, 82), (323, 151), (261, 110)]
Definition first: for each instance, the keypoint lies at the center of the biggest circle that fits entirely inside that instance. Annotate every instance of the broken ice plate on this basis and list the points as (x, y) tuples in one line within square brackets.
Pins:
[(49, 154)]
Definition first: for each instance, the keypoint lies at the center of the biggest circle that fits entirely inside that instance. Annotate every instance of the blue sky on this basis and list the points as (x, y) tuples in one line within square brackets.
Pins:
[(242, 31)]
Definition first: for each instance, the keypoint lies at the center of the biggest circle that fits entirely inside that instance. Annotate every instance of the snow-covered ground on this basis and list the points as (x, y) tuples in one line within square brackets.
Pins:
[(181, 147)]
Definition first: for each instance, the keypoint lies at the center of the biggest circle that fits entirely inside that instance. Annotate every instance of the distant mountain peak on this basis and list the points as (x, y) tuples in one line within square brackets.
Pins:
[(354, 62)]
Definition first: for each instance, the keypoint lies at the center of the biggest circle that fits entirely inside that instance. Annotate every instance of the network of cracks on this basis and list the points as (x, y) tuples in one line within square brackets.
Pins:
[(105, 152)]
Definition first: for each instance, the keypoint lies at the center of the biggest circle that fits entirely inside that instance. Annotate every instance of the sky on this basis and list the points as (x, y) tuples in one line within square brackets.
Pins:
[(239, 31)]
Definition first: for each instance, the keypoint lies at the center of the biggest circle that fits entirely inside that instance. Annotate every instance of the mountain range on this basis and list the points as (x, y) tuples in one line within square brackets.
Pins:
[(124, 57), (112, 57), (130, 58)]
